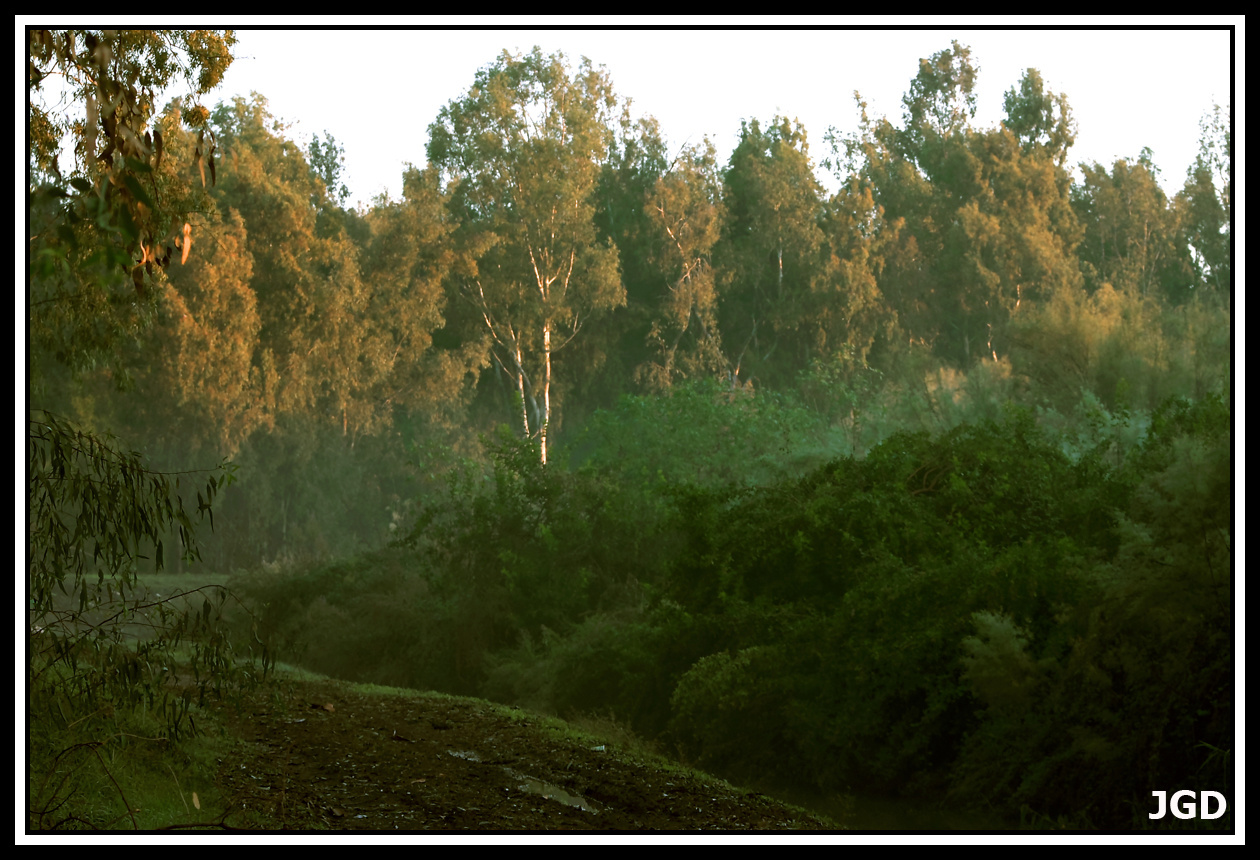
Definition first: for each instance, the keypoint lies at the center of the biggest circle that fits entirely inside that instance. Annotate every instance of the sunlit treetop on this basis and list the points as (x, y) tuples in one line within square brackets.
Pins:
[(105, 82), (103, 226)]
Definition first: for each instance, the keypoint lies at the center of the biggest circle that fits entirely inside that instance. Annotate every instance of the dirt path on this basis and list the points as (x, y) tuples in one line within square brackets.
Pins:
[(326, 757)]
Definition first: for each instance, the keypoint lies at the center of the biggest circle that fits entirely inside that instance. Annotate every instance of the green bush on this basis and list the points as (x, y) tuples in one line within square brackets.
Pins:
[(1136, 675), (727, 710)]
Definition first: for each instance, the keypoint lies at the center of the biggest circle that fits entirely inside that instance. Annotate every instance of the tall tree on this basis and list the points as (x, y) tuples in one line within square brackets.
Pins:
[(103, 228), (1205, 203), (1131, 238), (276, 194), (332, 352), (898, 218), (1039, 118), (771, 251), (855, 313), (199, 386), (1014, 239), (408, 258), (685, 215), (939, 105), (597, 368), (977, 222), (919, 175), (521, 155), (328, 161)]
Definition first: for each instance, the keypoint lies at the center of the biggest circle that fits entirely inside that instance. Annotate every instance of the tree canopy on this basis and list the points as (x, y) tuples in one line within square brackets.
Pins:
[(521, 155), (103, 227)]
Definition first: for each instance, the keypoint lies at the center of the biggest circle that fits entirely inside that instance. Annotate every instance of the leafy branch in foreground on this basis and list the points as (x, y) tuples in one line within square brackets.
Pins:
[(90, 506), (100, 648)]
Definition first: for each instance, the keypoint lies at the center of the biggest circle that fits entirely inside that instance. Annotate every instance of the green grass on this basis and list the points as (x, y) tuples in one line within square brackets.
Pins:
[(110, 765), (114, 771)]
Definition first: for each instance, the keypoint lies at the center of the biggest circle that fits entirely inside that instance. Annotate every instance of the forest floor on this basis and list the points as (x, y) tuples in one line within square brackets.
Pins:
[(327, 755)]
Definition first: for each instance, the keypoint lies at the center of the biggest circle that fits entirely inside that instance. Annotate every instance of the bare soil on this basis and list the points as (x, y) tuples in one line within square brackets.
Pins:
[(325, 756)]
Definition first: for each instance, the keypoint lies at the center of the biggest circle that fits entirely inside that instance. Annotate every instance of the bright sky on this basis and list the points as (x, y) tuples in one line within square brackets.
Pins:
[(377, 91)]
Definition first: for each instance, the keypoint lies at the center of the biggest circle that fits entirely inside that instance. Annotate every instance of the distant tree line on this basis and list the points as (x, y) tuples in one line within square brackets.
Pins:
[(556, 253)]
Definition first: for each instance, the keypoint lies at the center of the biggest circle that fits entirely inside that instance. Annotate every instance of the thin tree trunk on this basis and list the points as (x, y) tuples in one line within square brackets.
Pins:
[(546, 416), (520, 384)]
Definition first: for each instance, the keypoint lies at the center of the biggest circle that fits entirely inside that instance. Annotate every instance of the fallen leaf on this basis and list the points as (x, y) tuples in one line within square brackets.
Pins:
[(196, 802)]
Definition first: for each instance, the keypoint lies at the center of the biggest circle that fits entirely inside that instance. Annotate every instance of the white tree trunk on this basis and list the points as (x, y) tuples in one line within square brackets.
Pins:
[(546, 416)]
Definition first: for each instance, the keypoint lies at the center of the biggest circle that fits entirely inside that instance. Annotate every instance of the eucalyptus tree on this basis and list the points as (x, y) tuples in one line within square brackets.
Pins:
[(977, 222), (1205, 202), (918, 174), (105, 217), (637, 157), (771, 254), (407, 258), (108, 218), (1040, 119), (521, 154), (344, 306), (685, 214), (855, 314), (939, 106), (319, 338), (1131, 239), (273, 190)]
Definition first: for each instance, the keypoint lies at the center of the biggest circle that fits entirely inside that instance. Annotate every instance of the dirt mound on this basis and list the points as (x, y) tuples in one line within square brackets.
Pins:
[(325, 756)]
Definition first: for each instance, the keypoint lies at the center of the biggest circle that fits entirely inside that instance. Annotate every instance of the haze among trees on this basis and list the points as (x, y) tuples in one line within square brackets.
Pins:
[(923, 487)]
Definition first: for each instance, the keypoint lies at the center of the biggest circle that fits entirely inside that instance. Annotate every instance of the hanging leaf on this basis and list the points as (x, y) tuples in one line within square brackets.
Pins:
[(197, 153), (137, 166), (137, 190), (92, 121), (187, 243), (127, 224)]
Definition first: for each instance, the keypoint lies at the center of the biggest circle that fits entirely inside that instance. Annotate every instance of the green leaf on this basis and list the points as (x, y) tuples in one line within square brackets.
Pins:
[(137, 165), (67, 235), (138, 192)]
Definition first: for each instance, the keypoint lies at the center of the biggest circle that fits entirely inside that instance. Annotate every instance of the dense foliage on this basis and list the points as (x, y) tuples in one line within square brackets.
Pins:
[(921, 486), (108, 661), (973, 612)]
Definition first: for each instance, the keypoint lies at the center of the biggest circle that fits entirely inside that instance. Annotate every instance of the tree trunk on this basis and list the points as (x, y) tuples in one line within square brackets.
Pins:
[(546, 416), (520, 385)]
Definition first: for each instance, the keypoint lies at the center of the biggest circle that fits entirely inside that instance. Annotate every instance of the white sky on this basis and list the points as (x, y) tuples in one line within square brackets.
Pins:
[(377, 91)]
